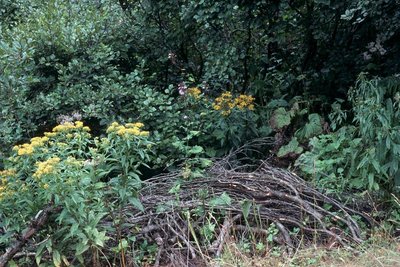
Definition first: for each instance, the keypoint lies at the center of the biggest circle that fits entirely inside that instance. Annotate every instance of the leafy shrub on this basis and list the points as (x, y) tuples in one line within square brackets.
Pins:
[(330, 163), (61, 58), (365, 156), (87, 178)]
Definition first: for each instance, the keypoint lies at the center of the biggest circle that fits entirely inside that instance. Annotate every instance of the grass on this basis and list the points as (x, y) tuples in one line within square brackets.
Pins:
[(380, 250)]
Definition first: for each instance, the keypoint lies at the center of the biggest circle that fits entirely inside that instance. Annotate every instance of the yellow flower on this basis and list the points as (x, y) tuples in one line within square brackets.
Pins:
[(225, 103), (3, 191), (63, 127), (144, 133), (216, 106), (49, 134), (46, 186), (86, 128), (121, 131), (25, 149), (78, 124), (129, 129), (194, 91), (7, 173), (244, 101), (38, 141), (71, 161), (112, 127), (132, 131), (134, 125), (46, 167)]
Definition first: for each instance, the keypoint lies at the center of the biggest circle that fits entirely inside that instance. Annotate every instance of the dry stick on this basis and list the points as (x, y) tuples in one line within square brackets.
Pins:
[(35, 224), (191, 249), (160, 244), (218, 244), (286, 236)]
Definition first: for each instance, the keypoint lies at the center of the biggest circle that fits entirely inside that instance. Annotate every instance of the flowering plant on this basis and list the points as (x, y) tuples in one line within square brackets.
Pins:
[(77, 174)]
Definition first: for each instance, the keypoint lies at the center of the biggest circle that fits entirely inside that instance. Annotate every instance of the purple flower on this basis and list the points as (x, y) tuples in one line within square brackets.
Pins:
[(182, 88)]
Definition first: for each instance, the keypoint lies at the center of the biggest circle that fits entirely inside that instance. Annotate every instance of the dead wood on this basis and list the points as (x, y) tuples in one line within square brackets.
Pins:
[(34, 226)]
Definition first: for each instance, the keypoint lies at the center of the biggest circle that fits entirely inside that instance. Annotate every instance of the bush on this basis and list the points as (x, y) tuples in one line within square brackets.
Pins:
[(86, 178), (366, 156), (59, 59)]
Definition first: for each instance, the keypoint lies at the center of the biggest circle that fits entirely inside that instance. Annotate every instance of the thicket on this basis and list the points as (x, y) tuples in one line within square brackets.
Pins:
[(318, 77)]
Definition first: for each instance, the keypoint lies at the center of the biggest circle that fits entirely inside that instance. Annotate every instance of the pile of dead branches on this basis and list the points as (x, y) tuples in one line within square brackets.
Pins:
[(171, 218)]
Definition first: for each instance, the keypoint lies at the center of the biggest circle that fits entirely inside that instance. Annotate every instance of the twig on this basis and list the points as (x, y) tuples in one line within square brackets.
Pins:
[(35, 225)]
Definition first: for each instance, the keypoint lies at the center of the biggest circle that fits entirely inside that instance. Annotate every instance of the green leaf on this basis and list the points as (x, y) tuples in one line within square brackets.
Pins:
[(81, 248), (223, 200), (312, 128), (196, 150), (292, 147), (280, 118), (246, 206), (136, 203), (56, 258)]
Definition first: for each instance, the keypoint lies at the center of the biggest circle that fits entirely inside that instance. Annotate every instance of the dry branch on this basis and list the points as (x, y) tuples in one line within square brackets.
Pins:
[(35, 225), (277, 196)]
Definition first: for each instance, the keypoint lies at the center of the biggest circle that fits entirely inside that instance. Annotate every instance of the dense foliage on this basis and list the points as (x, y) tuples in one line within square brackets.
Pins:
[(319, 77)]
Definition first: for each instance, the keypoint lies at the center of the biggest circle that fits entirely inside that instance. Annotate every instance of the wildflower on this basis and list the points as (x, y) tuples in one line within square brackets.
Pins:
[(7, 173), (39, 141), (3, 191), (25, 149), (73, 162), (78, 124), (182, 88), (50, 134), (194, 91), (64, 127), (46, 167), (134, 125), (129, 129), (144, 133), (112, 127), (225, 103), (244, 101)]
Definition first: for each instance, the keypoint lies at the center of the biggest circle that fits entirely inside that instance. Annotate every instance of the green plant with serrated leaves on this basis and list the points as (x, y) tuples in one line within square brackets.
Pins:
[(85, 178)]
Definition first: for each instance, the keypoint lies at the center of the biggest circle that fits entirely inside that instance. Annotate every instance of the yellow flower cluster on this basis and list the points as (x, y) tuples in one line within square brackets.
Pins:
[(46, 167), (225, 103), (194, 91), (73, 162), (244, 101), (7, 173), (67, 127), (3, 190), (28, 148), (3, 182), (129, 129)]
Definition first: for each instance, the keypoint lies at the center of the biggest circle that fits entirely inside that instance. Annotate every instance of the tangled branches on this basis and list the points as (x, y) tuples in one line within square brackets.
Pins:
[(177, 213)]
